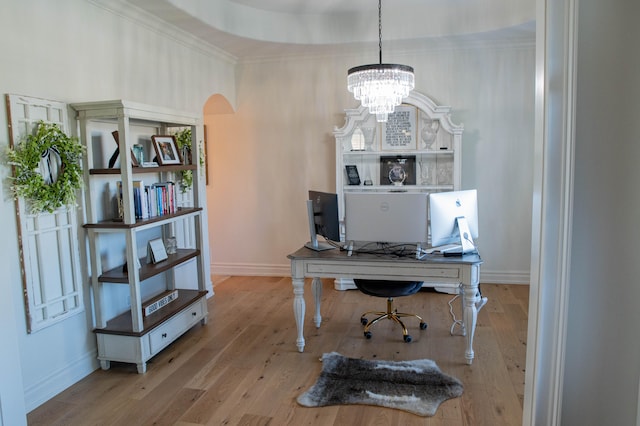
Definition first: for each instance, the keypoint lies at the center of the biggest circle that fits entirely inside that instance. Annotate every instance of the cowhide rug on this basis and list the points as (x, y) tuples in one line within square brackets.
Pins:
[(418, 386)]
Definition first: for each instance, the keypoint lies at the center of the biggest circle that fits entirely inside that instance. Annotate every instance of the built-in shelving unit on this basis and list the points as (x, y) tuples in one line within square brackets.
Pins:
[(131, 336)]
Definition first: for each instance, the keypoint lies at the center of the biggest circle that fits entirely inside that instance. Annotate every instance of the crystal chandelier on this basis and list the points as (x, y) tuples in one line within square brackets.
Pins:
[(380, 87)]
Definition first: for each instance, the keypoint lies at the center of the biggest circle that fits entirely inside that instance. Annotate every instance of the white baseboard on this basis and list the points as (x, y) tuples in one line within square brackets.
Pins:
[(284, 270), (504, 277), (59, 380)]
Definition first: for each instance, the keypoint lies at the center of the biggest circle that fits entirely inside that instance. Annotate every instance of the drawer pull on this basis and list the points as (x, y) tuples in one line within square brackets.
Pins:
[(164, 335), (193, 314)]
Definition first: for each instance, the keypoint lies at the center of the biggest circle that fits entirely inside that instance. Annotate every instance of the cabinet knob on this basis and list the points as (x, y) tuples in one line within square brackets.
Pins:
[(164, 335), (193, 314)]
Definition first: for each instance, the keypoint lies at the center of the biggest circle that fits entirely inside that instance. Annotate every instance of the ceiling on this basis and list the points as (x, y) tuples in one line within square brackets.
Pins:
[(257, 28)]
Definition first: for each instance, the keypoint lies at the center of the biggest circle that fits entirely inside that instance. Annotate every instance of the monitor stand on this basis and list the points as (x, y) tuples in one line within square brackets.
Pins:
[(466, 240), (314, 244)]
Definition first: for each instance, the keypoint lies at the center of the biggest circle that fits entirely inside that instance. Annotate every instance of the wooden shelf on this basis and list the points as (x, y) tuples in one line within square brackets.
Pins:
[(122, 324), (422, 152), (402, 188), (148, 270), (138, 170), (119, 224)]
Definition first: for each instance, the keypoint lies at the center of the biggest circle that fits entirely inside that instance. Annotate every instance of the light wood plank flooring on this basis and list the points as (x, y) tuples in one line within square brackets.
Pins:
[(243, 367)]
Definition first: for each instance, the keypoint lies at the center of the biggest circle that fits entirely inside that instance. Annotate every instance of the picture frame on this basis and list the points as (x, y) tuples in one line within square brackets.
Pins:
[(114, 157), (166, 149), (398, 170), (156, 251), (352, 174), (400, 132)]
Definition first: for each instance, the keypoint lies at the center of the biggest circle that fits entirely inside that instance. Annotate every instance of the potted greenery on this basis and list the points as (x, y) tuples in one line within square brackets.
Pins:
[(183, 140), (47, 170)]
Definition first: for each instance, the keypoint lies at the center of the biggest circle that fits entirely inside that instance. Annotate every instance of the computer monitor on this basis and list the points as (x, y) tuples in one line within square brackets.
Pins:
[(386, 217), (454, 219), (322, 211)]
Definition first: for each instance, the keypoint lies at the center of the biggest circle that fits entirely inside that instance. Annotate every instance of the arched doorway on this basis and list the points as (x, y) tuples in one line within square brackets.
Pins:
[(216, 112)]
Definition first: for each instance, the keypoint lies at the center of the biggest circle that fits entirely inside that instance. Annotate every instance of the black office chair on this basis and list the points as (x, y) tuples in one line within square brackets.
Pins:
[(388, 289)]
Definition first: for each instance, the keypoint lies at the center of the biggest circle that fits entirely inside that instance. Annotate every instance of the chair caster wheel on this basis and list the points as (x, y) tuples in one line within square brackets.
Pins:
[(367, 334), (363, 321), (407, 339), (423, 326)]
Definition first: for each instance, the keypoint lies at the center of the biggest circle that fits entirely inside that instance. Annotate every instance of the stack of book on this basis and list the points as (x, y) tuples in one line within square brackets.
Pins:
[(151, 200)]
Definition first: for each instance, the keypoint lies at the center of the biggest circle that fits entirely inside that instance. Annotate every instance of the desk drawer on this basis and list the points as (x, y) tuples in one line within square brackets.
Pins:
[(344, 269), (176, 326)]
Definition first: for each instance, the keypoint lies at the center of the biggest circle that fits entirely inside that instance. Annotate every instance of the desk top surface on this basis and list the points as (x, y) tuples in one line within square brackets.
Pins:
[(341, 255)]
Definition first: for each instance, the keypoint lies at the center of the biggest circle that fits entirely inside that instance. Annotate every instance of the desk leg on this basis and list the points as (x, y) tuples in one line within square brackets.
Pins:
[(299, 310), (316, 286), (469, 317)]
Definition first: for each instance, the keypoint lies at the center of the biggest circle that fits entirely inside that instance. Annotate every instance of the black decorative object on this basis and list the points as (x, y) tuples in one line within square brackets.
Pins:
[(352, 174), (398, 170)]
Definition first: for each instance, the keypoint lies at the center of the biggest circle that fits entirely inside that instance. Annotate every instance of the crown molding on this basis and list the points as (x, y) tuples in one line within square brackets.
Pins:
[(126, 10)]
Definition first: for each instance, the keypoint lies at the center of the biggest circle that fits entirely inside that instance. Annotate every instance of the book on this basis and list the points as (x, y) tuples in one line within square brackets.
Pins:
[(148, 201), (140, 200)]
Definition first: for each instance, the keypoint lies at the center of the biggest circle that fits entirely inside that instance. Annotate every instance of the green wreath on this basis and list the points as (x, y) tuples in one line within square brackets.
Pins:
[(47, 168)]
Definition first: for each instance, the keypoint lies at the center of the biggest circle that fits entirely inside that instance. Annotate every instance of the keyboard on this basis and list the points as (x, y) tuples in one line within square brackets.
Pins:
[(444, 248)]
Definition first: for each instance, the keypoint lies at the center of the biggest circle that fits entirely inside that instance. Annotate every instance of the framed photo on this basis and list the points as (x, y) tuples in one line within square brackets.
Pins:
[(156, 252), (399, 132), (114, 157), (352, 174), (398, 170), (166, 150)]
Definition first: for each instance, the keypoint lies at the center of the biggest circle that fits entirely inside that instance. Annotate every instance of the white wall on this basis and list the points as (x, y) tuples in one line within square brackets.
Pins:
[(602, 370), (74, 51), (279, 144), (582, 357)]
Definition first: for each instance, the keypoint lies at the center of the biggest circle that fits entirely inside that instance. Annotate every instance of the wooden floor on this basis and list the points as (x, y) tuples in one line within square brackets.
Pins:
[(243, 367)]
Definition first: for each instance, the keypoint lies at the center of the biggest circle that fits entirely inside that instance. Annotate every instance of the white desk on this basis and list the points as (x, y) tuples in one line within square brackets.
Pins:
[(463, 270)]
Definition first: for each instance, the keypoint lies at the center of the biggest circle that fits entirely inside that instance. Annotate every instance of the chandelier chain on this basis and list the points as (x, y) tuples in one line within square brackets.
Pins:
[(380, 29)]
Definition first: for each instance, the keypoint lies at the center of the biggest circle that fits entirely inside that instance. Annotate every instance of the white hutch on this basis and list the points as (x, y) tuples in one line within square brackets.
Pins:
[(419, 139)]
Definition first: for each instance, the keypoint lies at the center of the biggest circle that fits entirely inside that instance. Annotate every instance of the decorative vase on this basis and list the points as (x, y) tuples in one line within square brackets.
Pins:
[(429, 133), (186, 155), (369, 136)]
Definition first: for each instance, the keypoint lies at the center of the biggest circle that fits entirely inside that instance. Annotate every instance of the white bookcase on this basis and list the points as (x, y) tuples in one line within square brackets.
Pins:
[(419, 140), (130, 335)]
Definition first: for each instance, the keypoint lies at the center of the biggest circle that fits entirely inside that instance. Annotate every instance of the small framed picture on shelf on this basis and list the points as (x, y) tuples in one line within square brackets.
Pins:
[(166, 150), (398, 170), (352, 174), (156, 251), (116, 153)]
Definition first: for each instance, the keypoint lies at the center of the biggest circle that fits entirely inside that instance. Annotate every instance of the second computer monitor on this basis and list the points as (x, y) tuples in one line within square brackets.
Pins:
[(446, 208), (386, 217)]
